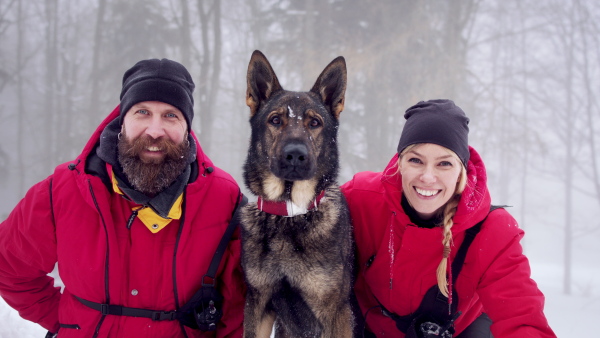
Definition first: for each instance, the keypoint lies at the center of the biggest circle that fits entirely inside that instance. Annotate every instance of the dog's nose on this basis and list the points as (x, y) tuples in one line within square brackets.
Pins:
[(295, 153)]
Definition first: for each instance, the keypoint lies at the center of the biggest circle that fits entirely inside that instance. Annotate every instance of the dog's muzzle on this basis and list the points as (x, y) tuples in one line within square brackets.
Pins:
[(294, 162)]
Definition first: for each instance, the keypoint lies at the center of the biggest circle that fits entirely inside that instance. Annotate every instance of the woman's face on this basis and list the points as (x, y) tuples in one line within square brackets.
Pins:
[(429, 176)]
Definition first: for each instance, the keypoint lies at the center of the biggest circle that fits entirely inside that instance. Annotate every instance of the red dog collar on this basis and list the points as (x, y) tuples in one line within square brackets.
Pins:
[(287, 208)]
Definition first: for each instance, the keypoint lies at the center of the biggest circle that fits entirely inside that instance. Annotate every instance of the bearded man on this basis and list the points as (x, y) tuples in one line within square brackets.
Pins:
[(133, 224)]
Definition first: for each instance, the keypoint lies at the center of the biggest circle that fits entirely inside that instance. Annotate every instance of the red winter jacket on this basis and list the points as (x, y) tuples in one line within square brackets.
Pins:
[(495, 277), (72, 218)]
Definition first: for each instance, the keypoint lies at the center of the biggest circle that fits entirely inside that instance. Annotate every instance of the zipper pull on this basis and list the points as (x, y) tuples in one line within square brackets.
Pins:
[(132, 217)]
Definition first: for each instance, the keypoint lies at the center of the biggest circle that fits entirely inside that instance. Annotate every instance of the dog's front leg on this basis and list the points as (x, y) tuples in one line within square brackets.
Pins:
[(258, 323), (340, 325)]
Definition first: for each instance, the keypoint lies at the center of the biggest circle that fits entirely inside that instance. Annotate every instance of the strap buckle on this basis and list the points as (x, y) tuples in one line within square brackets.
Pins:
[(104, 309), (385, 312), (163, 315), (209, 280)]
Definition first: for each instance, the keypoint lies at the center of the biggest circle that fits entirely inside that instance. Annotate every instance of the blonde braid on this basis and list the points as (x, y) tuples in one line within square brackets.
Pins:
[(449, 211)]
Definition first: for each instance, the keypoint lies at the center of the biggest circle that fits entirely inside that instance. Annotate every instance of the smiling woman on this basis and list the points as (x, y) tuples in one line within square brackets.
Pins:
[(419, 220)]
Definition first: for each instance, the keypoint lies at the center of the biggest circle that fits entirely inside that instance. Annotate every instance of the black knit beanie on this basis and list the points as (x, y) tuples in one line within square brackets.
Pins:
[(158, 80), (440, 122)]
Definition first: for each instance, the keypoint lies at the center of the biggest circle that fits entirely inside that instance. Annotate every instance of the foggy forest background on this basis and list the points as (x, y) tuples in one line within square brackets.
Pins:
[(527, 73)]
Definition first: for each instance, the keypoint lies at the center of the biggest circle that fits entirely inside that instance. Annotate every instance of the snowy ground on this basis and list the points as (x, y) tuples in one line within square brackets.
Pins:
[(569, 316)]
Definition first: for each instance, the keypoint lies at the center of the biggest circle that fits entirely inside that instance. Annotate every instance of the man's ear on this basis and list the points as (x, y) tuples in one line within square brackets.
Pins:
[(261, 80)]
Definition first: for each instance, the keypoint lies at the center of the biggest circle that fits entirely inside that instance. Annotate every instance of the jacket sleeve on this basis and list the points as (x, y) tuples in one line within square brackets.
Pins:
[(27, 255), (508, 294)]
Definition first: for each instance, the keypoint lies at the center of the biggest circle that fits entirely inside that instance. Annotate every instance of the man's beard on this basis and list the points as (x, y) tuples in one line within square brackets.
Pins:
[(151, 176)]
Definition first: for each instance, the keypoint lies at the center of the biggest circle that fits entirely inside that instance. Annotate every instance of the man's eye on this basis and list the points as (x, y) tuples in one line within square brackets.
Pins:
[(143, 112), (170, 115), (275, 120), (315, 123)]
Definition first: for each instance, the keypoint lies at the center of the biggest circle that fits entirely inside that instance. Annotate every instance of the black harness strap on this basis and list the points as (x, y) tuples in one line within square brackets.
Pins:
[(216, 260), (118, 310), (470, 234), (434, 303)]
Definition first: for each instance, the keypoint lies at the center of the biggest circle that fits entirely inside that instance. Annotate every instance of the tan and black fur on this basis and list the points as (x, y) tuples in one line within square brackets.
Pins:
[(298, 269)]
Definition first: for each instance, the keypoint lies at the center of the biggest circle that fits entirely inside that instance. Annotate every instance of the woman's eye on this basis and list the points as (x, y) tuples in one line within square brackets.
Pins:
[(275, 120), (445, 164), (414, 160), (315, 123)]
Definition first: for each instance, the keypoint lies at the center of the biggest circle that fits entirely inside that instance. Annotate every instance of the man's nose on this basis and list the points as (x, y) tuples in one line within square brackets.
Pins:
[(155, 129)]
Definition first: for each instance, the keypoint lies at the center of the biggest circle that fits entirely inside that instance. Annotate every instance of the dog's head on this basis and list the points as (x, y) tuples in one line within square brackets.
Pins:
[(293, 148)]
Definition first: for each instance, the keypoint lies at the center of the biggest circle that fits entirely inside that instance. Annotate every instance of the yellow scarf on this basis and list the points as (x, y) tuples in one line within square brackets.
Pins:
[(152, 220)]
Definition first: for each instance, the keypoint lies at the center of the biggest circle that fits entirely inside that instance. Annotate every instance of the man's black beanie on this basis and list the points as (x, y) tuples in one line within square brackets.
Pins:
[(158, 80), (440, 122)]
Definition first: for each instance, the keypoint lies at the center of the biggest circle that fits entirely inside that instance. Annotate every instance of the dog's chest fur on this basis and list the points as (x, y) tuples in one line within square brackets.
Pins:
[(279, 241)]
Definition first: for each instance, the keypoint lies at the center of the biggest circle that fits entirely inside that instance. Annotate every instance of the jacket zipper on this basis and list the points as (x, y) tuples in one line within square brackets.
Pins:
[(106, 289), (391, 251), (133, 216)]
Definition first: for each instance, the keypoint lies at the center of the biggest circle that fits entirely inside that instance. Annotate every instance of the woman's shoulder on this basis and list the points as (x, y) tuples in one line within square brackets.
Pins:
[(500, 228)]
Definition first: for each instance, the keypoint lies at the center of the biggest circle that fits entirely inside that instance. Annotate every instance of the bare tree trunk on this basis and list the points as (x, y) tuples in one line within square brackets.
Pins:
[(208, 83), (95, 76), (525, 109), (569, 144), (591, 105), (20, 100), (216, 62), (186, 40), (51, 82)]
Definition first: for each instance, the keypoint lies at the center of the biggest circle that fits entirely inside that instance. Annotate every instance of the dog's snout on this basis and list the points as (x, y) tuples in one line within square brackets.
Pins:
[(294, 162), (295, 153)]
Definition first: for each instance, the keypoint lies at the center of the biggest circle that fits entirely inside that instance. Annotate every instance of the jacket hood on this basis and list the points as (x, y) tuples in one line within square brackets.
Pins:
[(203, 160), (475, 200)]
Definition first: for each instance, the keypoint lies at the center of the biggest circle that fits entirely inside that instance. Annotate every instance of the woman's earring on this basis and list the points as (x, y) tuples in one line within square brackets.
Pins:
[(119, 136)]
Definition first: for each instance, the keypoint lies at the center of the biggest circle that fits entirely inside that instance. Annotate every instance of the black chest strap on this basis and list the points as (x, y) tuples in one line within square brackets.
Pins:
[(118, 310)]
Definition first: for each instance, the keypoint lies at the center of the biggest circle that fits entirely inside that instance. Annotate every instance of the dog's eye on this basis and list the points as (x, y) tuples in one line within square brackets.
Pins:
[(315, 123), (275, 120)]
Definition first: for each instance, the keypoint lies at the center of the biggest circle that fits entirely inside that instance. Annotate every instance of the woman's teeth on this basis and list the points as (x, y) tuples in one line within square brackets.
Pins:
[(427, 193)]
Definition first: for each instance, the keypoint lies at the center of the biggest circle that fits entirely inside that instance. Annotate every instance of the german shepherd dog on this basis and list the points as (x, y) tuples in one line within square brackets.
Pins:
[(297, 252)]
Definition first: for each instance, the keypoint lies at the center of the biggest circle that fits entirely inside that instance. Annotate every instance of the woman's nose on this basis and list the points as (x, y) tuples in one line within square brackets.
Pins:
[(428, 175)]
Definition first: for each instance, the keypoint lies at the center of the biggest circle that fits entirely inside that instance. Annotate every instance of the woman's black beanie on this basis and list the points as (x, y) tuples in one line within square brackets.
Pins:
[(440, 122), (158, 80)]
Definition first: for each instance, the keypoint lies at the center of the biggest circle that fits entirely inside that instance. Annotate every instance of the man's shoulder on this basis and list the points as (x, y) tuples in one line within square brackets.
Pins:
[(224, 177), (214, 179)]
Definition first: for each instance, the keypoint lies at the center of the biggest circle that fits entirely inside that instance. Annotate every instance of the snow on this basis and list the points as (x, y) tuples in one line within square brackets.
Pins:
[(569, 316)]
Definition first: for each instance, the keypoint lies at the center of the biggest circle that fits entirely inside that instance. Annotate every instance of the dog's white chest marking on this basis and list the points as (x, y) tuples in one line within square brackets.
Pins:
[(295, 210)]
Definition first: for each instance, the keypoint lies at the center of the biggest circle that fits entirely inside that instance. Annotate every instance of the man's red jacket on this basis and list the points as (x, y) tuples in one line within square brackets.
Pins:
[(72, 218)]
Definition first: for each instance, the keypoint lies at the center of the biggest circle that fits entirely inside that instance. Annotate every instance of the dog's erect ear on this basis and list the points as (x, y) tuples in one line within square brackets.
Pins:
[(331, 86), (262, 81)]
